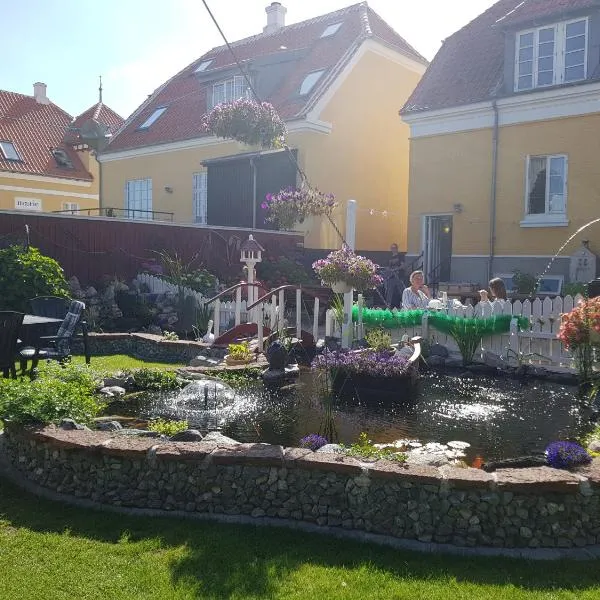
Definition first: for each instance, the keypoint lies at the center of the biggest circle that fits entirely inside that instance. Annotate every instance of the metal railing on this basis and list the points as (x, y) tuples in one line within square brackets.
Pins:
[(133, 214)]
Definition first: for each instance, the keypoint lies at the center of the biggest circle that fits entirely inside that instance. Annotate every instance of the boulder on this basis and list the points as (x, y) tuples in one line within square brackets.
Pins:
[(220, 439), (109, 426), (188, 435)]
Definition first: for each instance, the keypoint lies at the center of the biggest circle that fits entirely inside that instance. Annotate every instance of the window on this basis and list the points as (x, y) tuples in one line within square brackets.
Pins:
[(200, 191), (138, 199), (331, 30), (71, 207), (9, 151), (546, 192), (551, 55), (152, 118), (203, 66), (229, 90), (309, 82)]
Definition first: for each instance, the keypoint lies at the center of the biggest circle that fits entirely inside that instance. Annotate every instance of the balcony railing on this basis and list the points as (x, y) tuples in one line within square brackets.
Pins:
[(120, 213)]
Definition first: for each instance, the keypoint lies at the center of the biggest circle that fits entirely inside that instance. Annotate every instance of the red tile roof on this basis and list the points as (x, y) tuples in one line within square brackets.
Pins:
[(35, 129), (101, 113), (469, 66), (185, 94)]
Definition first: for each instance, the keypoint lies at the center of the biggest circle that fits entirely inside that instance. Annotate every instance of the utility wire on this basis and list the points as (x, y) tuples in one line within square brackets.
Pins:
[(289, 153)]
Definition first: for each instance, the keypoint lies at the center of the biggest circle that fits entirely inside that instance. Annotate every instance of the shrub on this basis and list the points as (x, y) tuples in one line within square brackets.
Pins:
[(524, 283), (313, 441), (281, 270), (378, 339), (59, 392), (25, 274), (364, 448), (166, 426), (170, 336), (155, 380), (240, 351), (564, 455)]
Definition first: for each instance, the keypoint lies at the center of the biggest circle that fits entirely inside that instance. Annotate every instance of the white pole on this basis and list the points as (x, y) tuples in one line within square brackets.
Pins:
[(259, 325), (328, 326), (281, 323), (273, 313), (361, 302), (299, 313), (238, 305), (250, 265), (351, 241), (316, 320), (217, 319)]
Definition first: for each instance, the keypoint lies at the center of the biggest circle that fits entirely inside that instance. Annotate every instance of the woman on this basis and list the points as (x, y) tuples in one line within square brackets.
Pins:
[(418, 294), (497, 291)]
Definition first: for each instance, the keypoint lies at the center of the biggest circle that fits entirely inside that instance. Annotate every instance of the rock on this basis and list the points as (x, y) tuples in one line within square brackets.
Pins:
[(438, 350), (125, 382), (520, 462), (492, 359), (70, 424), (109, 426), (331, 449), (154, 330), (458, 445), (594, 446), (113, 390), (139, 432), (421, 459), (220, 439), (436, 361), (188, 435)]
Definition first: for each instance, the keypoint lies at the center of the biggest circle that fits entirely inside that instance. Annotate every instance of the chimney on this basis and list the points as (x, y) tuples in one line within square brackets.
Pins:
[(275, 17), (39, 93)]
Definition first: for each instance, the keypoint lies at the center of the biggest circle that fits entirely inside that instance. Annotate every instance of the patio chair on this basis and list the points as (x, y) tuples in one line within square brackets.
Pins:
[(50, 306), (10, 323), (58, 347)]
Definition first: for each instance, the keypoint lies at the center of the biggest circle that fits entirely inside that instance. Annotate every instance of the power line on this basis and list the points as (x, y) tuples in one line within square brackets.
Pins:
[(289, 153)]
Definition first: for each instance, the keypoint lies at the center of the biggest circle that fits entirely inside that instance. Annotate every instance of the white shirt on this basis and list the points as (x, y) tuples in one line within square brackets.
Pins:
[(412, 300)]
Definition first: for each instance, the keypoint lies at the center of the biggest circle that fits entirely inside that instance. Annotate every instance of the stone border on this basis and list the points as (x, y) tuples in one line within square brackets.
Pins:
[(511, 508)]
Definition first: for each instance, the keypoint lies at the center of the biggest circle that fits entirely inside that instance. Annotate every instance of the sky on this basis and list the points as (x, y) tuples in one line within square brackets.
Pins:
[(136, 45)]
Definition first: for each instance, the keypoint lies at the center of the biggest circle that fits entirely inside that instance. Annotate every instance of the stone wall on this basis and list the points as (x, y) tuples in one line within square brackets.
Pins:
[(539, 507)]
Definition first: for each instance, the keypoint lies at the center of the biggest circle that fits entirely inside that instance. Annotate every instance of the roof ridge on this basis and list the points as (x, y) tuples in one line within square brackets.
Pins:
[(364, 19)]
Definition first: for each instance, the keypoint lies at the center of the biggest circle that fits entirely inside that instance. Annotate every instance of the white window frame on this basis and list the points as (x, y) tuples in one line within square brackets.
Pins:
[(238, 90), (158, 112), (5, 146), (309, 82), (546, 219), (200, 196), (138, 198), (560, 40), (72, 207)]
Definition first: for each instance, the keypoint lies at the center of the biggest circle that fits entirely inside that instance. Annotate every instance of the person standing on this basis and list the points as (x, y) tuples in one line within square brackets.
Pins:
[(395, 277)]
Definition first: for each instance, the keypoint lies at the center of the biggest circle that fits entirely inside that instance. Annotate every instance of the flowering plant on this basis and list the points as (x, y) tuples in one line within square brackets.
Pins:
[(376, 363), (246, 121), (343, 265), (563, 455), (313, 441), (579, 326), (292, 205)]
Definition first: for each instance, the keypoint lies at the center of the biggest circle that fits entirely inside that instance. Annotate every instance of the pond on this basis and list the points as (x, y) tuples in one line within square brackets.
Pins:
[(500, 418)]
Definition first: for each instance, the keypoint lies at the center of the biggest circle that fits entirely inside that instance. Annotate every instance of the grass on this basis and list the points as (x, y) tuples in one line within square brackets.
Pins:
[(122, 362), (52, 551)]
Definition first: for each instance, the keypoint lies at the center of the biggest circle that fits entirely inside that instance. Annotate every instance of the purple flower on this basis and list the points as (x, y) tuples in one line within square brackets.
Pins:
[(313, 441), (345, 265), (376, 363), (564, 455)]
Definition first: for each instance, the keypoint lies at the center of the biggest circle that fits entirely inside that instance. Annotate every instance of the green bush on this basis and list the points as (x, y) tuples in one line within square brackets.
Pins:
[(572, 289), (155, 380), (364, 448), (25, 274), (524, 283), (59, 392), (166, 427)]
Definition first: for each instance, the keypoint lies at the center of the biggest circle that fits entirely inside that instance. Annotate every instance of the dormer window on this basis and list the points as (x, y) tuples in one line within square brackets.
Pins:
[(309, 82), (62, 158), (228, 90), (331, 30), (153, 118), (9, 152), (551, 55), (203, 66)]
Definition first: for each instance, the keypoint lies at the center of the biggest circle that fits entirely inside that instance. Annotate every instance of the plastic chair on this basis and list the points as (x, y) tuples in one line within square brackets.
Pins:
[(10, 323), (53, 307)]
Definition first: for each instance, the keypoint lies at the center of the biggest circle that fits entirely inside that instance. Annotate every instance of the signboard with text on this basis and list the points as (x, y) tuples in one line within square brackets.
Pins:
[(28, 204)]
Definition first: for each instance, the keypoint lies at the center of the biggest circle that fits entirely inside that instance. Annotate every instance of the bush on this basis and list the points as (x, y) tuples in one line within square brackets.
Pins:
[(313, 441), (364, 448), (524, 283), (59, 392), (167, 427), (281, 270), (25, 274), (155, 380)]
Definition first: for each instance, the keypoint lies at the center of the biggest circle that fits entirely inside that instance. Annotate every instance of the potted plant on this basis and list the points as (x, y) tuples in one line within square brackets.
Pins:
[(343, 270), (292, 205), (239, 354), (249, 122)]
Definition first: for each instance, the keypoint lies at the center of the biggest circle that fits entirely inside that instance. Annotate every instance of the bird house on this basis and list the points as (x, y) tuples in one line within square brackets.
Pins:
[(251, 251)]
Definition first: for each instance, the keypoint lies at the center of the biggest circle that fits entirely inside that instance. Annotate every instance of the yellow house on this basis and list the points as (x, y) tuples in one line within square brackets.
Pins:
[(337, 80), (45, 163), (504, 141)]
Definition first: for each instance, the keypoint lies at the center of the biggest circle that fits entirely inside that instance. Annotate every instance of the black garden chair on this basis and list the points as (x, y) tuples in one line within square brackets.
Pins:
[(50, 306), (10, 324), (58, 347)]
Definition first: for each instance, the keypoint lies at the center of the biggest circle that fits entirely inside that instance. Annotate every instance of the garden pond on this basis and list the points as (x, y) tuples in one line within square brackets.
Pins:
[(499, 418)]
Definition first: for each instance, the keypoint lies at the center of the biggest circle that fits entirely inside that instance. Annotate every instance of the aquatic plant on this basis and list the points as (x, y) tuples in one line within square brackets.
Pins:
[(166, 426), (314, 441), (364, 448), (564, 455), (376, 363)]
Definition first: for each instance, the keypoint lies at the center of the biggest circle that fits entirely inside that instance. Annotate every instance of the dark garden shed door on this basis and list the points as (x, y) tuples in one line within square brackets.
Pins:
[(230, 191)]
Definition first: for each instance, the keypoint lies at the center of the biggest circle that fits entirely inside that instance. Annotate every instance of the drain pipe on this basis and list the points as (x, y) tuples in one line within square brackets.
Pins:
[(253, 165), (493, 191)]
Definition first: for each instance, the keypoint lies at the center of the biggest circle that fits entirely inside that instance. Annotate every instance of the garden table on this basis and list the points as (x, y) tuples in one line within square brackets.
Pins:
[(35, 327)]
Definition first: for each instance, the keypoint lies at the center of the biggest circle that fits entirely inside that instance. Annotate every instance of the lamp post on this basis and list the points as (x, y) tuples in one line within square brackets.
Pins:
[(251, 253)]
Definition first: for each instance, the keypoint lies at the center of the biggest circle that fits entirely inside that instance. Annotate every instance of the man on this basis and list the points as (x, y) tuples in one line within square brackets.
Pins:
[(394, 278)]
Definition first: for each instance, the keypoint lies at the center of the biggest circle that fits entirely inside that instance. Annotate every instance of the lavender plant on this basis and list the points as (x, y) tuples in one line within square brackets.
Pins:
[(314, 441), (376, 363), (564, 455)]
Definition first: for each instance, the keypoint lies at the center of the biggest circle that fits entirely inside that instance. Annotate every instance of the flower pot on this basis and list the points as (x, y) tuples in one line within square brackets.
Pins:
[(341, 287), (236, 361)]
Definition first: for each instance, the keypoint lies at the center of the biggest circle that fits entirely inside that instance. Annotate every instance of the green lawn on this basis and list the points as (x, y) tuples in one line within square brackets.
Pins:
[(52, 552), (120, 362)]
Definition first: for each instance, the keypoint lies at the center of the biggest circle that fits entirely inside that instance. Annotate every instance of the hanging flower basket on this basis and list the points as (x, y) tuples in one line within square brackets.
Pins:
[(292, 205), (341, 287), (246, 121), (344, 265)]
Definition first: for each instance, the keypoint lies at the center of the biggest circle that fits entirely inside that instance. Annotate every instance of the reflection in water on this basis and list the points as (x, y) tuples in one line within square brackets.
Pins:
[(499, 418)]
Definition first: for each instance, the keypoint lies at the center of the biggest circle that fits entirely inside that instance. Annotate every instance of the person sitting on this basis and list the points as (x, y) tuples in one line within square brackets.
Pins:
[(497, 293), (417, 295), (394, 277)]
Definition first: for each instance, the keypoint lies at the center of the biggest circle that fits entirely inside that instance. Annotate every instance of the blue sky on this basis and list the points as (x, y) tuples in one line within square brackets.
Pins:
[(136, 45)]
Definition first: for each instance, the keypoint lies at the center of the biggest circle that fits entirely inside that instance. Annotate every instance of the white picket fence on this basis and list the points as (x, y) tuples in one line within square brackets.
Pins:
[(537, 344)]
